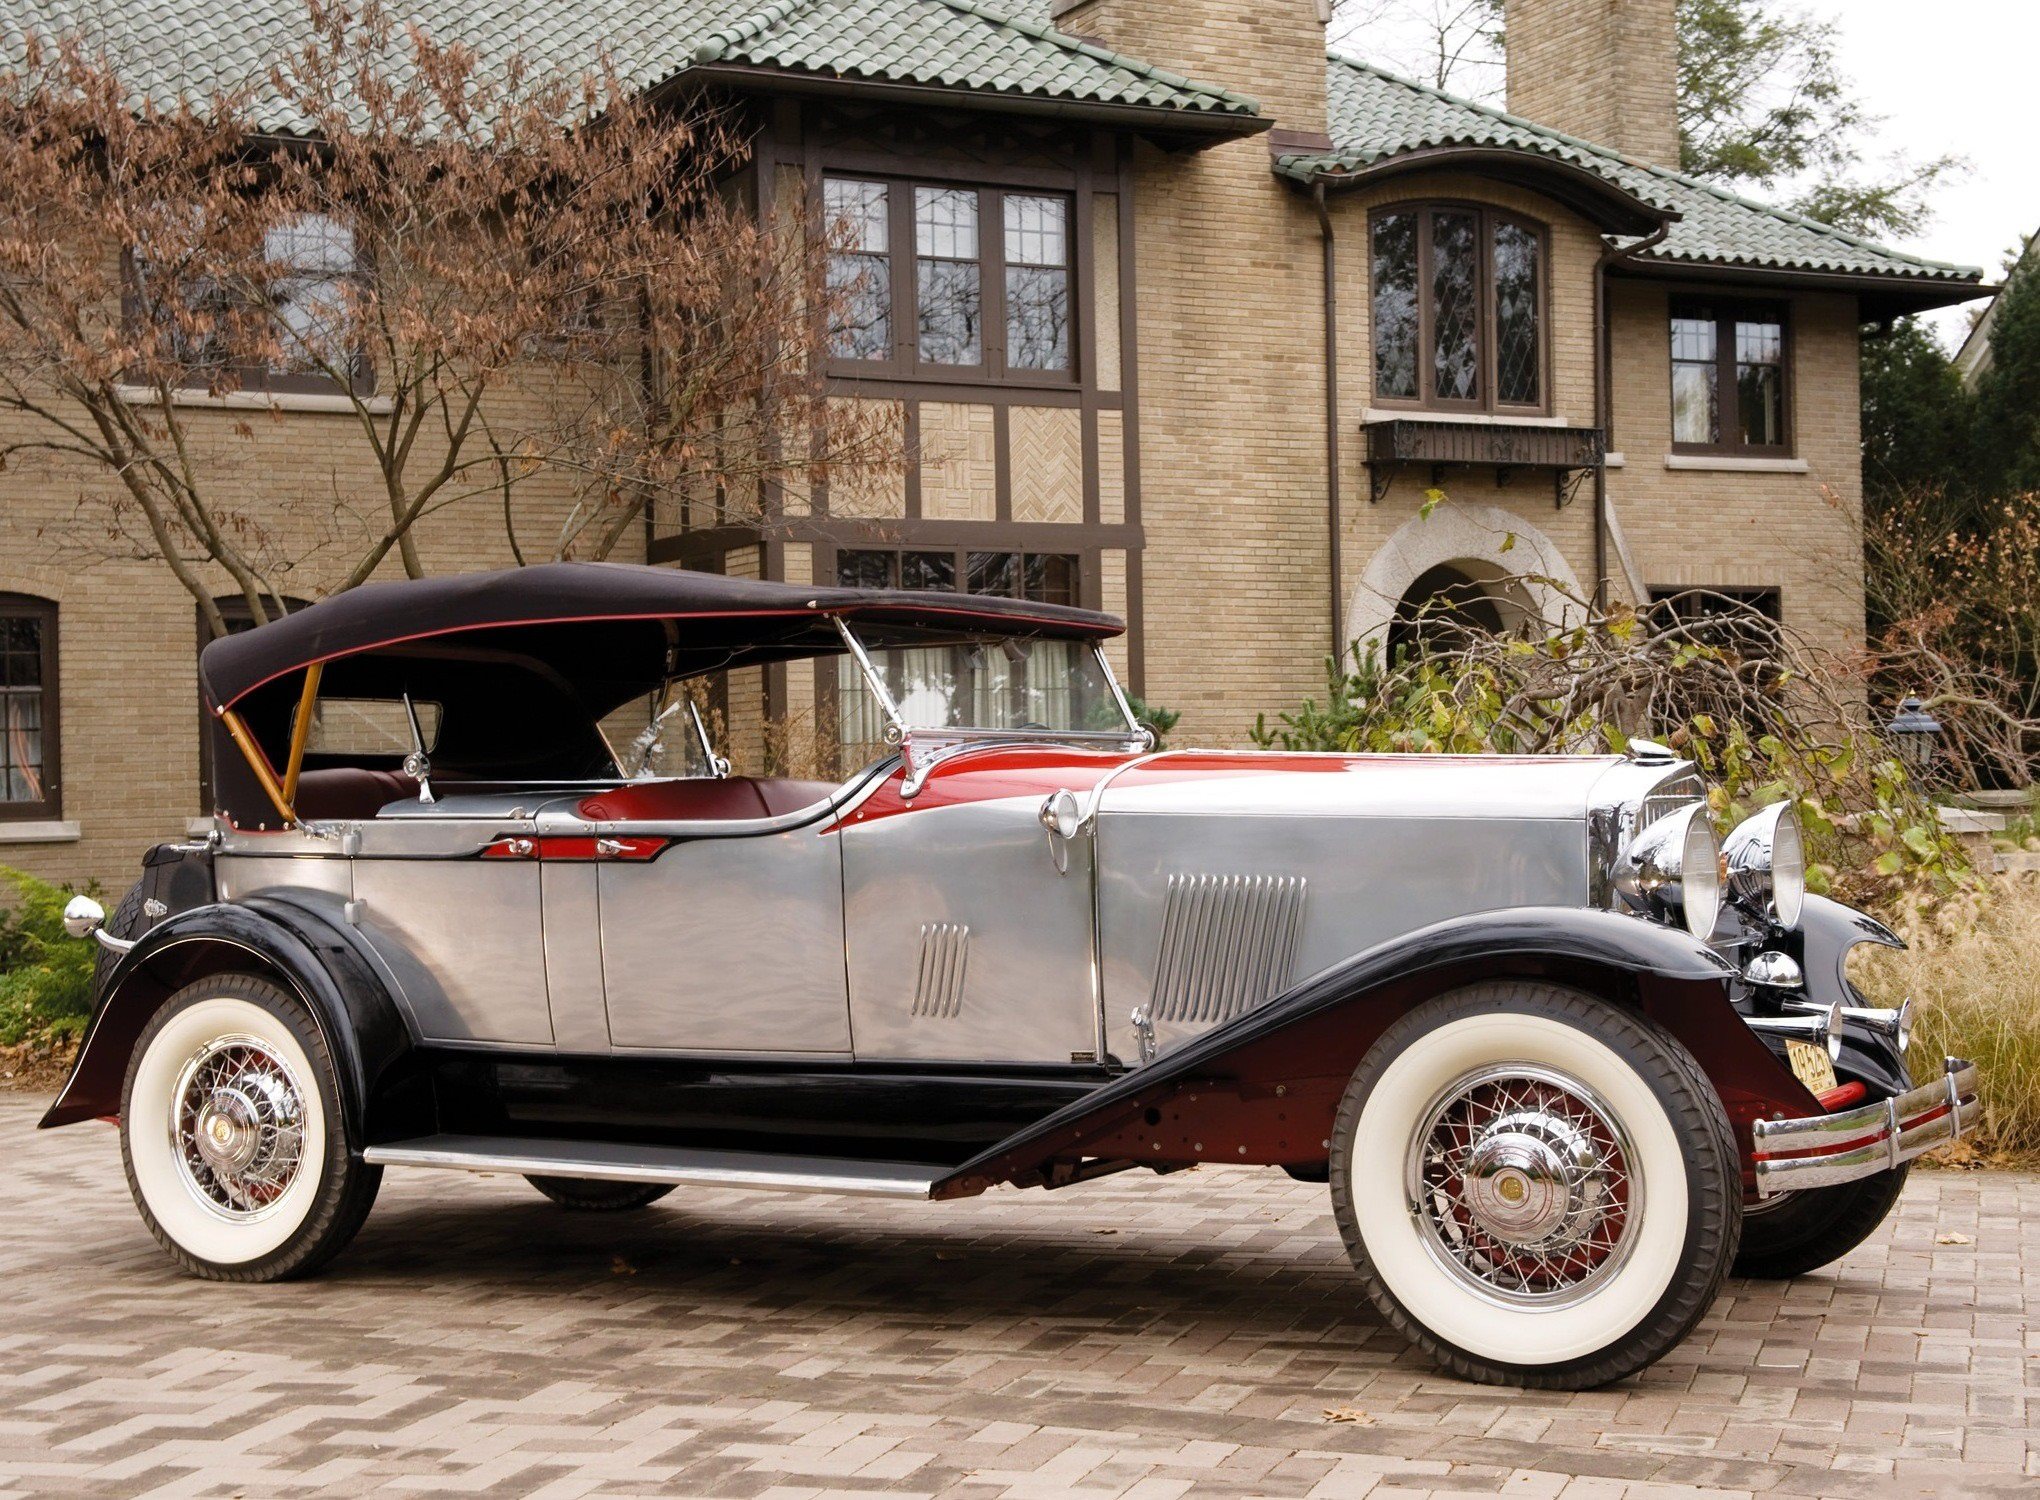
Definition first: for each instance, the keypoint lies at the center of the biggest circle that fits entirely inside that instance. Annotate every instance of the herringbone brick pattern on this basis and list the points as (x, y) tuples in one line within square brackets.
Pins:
[(1136, 1337)]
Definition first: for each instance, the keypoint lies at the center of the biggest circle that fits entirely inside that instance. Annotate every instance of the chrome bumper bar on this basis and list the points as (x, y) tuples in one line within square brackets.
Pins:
[(1821, 1150)]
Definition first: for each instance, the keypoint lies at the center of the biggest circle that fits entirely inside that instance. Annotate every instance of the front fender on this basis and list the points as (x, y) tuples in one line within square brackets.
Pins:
[(317, 958), (1828, 932), (1263, 1087)]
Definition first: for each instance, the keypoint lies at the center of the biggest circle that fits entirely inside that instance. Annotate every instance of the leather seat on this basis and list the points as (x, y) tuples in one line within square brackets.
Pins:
[(343, 793), (708, 799)]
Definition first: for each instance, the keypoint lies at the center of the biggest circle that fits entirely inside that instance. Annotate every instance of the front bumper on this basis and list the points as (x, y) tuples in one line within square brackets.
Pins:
[(1821, 1150)]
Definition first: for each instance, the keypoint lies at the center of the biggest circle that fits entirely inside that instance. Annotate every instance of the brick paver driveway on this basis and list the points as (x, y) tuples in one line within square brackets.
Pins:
[(1138, 1336)]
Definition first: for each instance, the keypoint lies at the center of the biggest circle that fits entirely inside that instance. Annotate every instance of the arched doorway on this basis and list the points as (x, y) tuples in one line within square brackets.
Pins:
[(1497, 570), (1449, 602)]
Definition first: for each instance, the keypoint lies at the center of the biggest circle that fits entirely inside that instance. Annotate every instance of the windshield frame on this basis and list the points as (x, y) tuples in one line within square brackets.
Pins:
[(922, 744)]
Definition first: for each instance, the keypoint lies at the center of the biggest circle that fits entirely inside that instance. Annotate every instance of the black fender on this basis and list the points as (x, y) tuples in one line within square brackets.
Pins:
[(1265, 1083), (1827, 932), (317, 957)]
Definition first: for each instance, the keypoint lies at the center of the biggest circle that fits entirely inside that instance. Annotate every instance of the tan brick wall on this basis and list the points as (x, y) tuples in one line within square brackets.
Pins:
[(1603, 70), (1798, 532), (1272, 50)]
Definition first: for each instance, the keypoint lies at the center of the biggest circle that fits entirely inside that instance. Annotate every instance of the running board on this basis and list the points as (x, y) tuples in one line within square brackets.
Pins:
[(682, 1165)]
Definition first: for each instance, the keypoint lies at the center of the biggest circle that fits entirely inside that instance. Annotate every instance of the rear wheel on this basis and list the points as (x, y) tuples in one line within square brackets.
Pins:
[(592, 1195), (1803, 1231), (232, 1134), (1537, 1187)]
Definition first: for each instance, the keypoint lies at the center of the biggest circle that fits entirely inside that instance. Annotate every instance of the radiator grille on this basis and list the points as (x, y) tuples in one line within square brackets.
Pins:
[(945, 953), (1227, 944)]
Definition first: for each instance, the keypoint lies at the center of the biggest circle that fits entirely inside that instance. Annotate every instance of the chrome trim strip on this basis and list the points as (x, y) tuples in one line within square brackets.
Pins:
[(1869, 1139), (691, 1168)]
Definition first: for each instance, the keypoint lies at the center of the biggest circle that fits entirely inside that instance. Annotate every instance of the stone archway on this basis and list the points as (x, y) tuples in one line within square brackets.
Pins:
[(1465, 549)]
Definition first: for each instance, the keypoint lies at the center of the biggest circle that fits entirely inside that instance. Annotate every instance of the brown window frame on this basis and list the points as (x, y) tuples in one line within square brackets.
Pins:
[(51, 804), (905, 362), (1726, 312), (1486, 217), (262, 378)]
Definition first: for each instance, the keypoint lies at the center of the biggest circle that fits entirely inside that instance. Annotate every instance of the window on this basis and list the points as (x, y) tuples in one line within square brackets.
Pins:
[(1740, 620), (368, 726), (1728, 378), (1458, 309), (860, 268), (1037, 282), (988, 288), (302, 309), (28, 708)]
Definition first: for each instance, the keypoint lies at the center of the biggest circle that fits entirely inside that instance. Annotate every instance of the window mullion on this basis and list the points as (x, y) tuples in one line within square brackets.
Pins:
[(1427, 356), (992, 278)]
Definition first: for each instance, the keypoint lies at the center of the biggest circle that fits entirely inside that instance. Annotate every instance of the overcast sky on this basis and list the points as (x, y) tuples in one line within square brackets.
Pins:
[(1949, 76)]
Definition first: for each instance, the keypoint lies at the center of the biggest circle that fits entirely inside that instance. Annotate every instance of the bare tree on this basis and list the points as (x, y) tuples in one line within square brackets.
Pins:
[(505, 275)]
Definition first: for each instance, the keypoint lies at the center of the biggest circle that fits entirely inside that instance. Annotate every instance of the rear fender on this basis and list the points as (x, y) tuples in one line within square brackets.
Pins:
[(1264, 1087), (317, 958)]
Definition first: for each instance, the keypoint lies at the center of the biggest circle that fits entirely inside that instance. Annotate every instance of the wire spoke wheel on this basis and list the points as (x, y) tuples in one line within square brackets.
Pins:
[(1519, 1179), (238, 1129)]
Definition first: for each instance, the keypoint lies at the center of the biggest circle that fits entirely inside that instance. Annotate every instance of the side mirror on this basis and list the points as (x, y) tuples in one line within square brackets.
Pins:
[(83, 916)]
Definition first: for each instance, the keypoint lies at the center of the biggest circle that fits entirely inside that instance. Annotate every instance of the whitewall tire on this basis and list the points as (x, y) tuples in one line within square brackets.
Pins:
[(233, 1136), (1538, 1187)]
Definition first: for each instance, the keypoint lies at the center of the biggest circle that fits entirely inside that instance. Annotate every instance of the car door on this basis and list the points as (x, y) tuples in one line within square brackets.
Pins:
[(968, 922), (724, 940)]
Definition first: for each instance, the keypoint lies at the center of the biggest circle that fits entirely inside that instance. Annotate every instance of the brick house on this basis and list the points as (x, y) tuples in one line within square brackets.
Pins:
[(1183, 317)]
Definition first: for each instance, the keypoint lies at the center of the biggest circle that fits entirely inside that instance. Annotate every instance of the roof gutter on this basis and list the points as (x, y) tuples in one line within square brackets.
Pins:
[(1604, 397)]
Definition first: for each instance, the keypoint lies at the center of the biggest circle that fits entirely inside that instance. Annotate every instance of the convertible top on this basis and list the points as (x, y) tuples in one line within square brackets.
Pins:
[(703, 621)]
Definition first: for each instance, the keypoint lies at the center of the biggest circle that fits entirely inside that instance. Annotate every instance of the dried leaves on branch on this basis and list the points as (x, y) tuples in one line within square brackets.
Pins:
[(1764, 715), (524, 290)]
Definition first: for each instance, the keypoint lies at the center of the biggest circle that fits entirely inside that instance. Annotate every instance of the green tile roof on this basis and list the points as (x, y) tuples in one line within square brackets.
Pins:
[(997, 47), (1376, 116)]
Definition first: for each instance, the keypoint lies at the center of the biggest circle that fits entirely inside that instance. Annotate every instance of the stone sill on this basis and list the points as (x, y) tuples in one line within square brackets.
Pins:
[(1465, 419), (48, 831), (284, 401), (1709, 463)]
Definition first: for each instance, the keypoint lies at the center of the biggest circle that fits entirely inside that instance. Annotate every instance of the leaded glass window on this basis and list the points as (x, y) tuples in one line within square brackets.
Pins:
[(1037, 282), (860, 268), (1458, 315)]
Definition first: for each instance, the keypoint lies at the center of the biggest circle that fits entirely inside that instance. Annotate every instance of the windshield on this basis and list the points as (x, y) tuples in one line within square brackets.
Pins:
[(988, 683)]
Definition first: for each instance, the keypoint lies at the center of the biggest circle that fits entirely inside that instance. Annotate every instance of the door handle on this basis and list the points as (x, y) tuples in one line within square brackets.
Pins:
[(608, 848)]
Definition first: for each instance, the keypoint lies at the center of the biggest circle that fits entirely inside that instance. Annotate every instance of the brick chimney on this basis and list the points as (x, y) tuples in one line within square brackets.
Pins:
[(1270, 50), (1604, 70)]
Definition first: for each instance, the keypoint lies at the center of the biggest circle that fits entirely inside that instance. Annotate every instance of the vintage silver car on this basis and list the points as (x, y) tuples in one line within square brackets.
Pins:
[(1563, 1060)]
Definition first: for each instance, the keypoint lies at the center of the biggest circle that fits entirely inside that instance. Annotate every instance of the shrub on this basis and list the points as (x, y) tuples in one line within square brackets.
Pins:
[(45, 974), (1763, 720)]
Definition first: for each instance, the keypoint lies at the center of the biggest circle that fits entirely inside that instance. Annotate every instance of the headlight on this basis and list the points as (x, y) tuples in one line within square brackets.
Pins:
[(1766, 860), (1674, 865)]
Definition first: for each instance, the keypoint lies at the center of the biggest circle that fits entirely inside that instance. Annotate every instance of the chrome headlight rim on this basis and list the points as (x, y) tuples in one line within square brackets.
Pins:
[(1765, 860), (1673, 868)]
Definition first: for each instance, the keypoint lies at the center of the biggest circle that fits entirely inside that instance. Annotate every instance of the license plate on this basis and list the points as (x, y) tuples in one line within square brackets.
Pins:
[(1810, 1065)]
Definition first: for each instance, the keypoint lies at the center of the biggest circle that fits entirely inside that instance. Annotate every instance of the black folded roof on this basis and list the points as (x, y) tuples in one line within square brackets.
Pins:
[(703, 621)]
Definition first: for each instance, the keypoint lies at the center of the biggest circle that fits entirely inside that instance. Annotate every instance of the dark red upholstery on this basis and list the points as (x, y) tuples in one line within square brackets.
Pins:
[(727, 798), (339, 793)]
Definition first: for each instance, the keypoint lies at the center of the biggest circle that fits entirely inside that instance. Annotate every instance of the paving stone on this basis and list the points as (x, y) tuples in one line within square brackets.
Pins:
[(477, 1340)]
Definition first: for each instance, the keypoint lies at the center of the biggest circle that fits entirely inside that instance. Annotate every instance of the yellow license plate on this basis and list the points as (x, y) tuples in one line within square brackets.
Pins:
[(1810, 1065)]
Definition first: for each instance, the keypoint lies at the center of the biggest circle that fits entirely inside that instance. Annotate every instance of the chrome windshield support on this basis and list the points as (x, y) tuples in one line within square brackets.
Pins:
[(871, 675), (1147, 735)]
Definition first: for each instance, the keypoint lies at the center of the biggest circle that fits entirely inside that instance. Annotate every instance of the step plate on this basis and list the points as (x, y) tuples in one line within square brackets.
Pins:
[(682, 1165)]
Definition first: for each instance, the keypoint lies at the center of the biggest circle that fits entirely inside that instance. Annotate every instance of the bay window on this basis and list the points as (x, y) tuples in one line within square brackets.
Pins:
[(1458, 309)]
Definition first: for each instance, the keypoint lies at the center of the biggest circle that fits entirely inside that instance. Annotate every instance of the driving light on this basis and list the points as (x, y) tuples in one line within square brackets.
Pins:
[(1674, 865), (1766, 862)]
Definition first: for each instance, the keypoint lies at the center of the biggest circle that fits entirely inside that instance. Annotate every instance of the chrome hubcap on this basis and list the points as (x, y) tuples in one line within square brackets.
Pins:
[(239, 1126), (1519, 1179)]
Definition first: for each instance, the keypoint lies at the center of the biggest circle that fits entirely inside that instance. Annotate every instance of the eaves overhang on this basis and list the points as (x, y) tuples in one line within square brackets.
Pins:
[(1883, 296), (1592, 196), (1174, 128)]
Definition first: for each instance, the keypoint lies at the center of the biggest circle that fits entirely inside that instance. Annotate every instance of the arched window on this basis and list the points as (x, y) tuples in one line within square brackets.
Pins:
[(1459, 308), (30, 779)]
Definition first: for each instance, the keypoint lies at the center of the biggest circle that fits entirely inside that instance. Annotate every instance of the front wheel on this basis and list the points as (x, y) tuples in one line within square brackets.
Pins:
[(232, 1134), (1538, 1188)]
